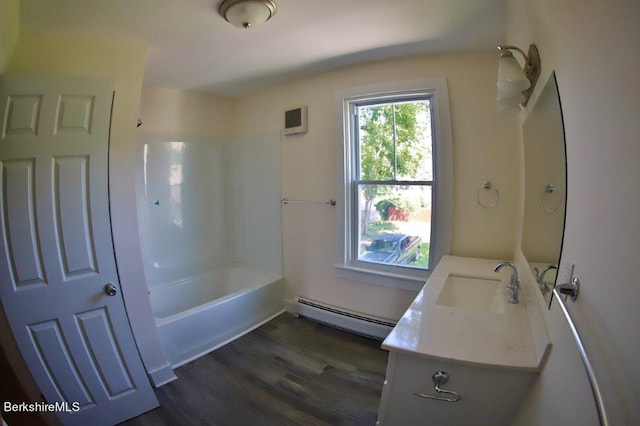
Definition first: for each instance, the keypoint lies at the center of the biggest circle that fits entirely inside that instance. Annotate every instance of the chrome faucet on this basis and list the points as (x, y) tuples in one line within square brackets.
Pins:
[(543, 286), (512, 288)]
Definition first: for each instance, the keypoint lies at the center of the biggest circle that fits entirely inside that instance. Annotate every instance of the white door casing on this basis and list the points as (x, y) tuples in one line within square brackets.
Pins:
[(57, 250)]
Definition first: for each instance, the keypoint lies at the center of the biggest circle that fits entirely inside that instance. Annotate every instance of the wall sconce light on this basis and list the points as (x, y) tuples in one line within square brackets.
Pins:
[(515, 85), (247, 13)]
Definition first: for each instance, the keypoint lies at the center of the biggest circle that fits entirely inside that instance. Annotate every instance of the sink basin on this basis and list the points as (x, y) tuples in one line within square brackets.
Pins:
[(473, 293)]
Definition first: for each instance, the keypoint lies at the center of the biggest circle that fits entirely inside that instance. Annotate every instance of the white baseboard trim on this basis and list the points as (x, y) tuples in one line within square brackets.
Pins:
[(162, 375)]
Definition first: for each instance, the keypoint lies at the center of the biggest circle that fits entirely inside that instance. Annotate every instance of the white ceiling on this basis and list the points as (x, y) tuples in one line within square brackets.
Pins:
[(192, 47)]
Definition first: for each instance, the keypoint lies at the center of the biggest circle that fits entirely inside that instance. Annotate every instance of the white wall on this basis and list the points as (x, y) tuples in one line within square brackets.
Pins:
[(593, 47), (484, 147), (182, 112)]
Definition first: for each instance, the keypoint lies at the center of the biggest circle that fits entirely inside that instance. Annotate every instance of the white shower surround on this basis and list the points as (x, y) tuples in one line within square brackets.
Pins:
[(210, 234)]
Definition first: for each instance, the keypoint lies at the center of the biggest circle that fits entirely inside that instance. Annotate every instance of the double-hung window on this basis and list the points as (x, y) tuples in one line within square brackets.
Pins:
[(396, 182)]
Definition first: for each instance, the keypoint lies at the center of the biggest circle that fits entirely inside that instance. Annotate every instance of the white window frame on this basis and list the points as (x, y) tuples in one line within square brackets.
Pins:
[(393, 276)]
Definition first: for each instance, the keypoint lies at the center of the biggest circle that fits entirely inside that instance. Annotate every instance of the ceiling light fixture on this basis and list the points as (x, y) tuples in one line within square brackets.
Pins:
[(247, 13), (515, 85)]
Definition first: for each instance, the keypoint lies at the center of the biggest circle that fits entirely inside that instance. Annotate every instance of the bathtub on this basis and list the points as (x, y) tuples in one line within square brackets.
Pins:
[(197, 315)]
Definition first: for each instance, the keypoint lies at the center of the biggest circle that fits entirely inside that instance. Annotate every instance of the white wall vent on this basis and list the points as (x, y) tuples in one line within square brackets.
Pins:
[(295, 121)]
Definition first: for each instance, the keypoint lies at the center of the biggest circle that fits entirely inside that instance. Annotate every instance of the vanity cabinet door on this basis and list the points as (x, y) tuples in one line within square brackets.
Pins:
[(489, 396)]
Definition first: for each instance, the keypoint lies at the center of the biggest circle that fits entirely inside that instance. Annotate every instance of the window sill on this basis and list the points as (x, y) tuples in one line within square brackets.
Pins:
[(381, 278)]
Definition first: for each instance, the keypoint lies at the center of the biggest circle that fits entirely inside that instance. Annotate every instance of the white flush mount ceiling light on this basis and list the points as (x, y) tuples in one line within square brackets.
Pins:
[(515, 85), (247, 13)]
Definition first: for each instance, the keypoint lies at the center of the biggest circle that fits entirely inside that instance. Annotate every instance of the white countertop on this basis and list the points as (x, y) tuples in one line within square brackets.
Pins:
[(500, 340)]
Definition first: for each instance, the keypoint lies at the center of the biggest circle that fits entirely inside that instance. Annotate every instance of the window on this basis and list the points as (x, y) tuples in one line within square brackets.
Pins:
[(396, 182)]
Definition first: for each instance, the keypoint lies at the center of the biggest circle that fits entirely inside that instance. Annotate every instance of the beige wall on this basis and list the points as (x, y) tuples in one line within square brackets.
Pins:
[(484, 147), (123, 63), (182, 112), (593, 48), (9, 30)]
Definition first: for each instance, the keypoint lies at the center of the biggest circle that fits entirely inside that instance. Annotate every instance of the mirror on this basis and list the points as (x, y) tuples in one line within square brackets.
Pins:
[(545, 187)]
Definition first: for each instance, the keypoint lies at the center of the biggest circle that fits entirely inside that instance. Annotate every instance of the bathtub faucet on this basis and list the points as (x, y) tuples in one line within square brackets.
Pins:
[(514, 285)]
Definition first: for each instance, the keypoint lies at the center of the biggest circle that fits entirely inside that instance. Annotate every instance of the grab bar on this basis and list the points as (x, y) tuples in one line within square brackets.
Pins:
[(440, 378), (285, 200), (595, 388)]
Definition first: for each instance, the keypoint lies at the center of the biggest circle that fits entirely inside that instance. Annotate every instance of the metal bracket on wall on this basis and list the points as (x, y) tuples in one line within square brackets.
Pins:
[(571, 289)]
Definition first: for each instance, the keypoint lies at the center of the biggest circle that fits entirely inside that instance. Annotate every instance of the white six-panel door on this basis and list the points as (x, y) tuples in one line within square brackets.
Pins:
[(57, 262)]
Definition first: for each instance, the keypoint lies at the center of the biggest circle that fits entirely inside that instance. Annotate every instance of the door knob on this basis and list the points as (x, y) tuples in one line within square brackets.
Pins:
[(110, 289)]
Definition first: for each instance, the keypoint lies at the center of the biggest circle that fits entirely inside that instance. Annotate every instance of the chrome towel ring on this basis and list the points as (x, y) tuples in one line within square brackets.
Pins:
[(493, 195)]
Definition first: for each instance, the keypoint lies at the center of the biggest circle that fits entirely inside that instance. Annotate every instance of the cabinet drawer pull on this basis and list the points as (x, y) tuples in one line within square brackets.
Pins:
[(440, 378)]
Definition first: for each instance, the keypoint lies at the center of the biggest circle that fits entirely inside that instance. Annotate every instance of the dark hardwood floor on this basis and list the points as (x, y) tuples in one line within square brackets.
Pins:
[(290, 371)]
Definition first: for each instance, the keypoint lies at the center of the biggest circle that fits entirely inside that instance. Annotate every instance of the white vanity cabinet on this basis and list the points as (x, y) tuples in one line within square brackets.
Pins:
[(488, 396), (460, 324)]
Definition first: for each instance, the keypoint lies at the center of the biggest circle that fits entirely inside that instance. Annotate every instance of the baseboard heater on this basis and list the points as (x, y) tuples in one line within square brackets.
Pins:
[(358, 323)]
